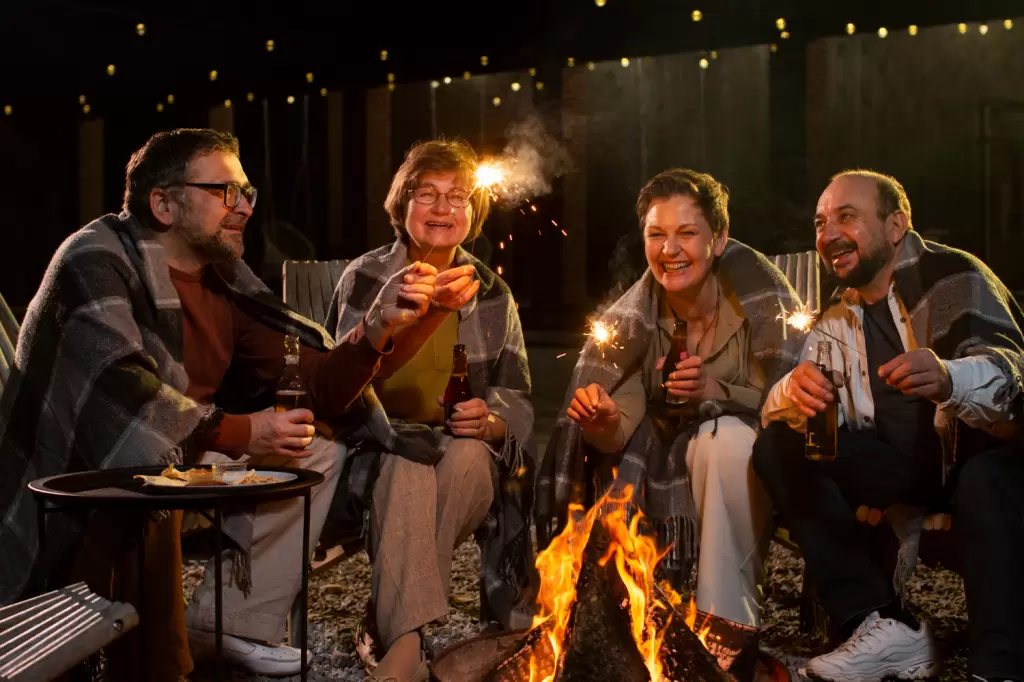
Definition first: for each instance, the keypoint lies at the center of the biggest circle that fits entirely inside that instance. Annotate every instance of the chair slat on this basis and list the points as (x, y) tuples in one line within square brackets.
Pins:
[(290, 275), (302, 289), (319, 279)]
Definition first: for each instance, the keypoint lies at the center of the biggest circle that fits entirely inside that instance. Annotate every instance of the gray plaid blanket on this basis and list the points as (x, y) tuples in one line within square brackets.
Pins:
[(98, 383), (500, 374), (654, 459)]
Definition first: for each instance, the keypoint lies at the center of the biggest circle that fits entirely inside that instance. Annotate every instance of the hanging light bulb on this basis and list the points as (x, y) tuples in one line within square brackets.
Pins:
[(466, 75), (227, 104), (962, 28), (309, 77), (532, 71), (780, 24), (496, 101), (291, 99), (434, 84), (1007, 24), (323, 92), (773, 48), (8, 110), (515, 87), (912, 29), (270, 46), (213, 75), (447, 80), (883, 32), (159, 106), (600, 3), (983, 29), (170, 99), (784, 35), (111, 69), (703, 63), (391, 78), (591, 66), (714, 54), (250, 97), (850, 29), (483, 60), (625, 62), (86, 109), (81, 99), (696, 15), (571, 61), (383, 55), (539, 85), (391, 87), (140, 29)]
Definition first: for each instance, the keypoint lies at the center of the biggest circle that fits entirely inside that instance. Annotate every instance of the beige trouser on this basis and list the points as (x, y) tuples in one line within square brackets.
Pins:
[(276, 546), (420, 515), (734, 511)]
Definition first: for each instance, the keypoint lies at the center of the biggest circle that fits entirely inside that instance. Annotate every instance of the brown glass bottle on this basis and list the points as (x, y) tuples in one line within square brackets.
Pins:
[(822, 429), (291, 389), (674, 355), (458, 390)]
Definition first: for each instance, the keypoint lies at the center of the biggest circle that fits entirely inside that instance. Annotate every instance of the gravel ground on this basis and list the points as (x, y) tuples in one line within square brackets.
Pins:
[(338, 597)]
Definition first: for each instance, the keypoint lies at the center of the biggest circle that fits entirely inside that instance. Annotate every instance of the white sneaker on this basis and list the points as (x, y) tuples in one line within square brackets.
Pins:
[(880, 648), (273, 660)]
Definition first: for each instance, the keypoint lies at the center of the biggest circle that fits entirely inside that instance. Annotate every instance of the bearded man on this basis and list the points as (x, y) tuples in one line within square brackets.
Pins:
[(927, 357)]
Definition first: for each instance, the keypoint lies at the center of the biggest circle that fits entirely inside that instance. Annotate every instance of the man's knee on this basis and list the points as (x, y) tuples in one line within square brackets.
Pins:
[(326, 456), (772, 447), (467, 468)]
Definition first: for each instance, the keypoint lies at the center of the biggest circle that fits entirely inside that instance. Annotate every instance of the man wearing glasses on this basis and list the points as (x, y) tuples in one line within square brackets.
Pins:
[(151, 342)]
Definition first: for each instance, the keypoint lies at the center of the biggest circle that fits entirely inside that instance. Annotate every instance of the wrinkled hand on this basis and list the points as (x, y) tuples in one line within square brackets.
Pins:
[(285, 434), (473, 419), (400, 302), (688, 380), (811, 390), (594, 410), (919, 372), (455, 287)]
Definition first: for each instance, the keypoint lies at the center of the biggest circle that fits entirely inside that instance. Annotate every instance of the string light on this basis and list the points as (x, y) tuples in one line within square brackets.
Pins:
[(1007, 24), (539, 85), (227, 104), (773, 48), (600, 3), (270, 46), (447, 80), (250, 96), (496, 101), (515, 87), (291, 99), (81, 99), (434, 84), (714, 54), (391, 78), (983, 29), (309, 77), (391, 87), (159, 106), (591, 66), (86, 108), (466, 75), (213, 75), (962, 28), (532, 71), (780, 24), (111, 69), (483, 60), (140, 29), (703, 63), (571, 61), (696, 15), (8, 110), (912, 29), (850, 29), (883, 32), (170, 99), (323, 92), (383, 55), (625, 62), (784, 35)]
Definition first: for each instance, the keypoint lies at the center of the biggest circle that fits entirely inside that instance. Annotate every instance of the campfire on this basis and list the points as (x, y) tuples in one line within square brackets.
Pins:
[(601, 613)]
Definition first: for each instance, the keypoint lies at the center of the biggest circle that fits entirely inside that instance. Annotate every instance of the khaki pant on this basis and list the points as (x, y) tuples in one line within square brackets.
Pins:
[(734, 511), (276, 546), (419, 516)]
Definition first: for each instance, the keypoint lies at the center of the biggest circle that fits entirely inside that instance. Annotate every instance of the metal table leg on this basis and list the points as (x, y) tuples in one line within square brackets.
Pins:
[(305, 582), (141, 592), (218, 524), (41, 521)]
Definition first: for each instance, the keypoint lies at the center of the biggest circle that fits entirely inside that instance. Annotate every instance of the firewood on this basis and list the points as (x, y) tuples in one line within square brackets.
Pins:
[(601, 644), (516, 666), (685, 658)]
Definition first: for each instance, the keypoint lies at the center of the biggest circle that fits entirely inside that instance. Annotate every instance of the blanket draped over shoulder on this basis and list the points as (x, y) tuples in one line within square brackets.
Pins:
[(958, 308), (498, 373), (98, 383), (654, 459)]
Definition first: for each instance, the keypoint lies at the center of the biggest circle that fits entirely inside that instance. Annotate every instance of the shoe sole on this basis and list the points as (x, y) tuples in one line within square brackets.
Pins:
[(916, 671)]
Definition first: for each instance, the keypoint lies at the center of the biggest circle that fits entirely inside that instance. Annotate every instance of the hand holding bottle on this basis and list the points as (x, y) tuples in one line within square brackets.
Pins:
[(809, 388), (688, 380)]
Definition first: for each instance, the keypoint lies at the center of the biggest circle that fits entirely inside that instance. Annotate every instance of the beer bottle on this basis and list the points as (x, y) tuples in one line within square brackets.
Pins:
[(675, 353), (291, 389), (458, 390), (822, 428)]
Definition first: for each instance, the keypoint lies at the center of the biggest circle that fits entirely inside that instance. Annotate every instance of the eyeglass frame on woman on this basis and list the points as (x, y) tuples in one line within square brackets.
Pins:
[(438, 194), (250, 192)]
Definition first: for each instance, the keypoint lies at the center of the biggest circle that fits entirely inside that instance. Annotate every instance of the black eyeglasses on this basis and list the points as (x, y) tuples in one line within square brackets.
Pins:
[(428, 196), (233, 192)]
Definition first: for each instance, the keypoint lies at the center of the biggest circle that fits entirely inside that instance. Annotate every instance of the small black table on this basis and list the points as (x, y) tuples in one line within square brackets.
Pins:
[(118, 490)]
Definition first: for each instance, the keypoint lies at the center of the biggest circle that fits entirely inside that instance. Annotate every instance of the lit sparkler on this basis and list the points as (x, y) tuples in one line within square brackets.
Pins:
[(802, 320), (603, 335)]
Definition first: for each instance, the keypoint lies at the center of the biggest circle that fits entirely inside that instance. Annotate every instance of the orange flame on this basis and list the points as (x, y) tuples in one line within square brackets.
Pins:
[(636, 557)]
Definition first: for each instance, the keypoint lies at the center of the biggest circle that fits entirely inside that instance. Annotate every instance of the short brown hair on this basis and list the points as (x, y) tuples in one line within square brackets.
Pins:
[(163, 161), (891, 195), (437, 156), (711, 195)]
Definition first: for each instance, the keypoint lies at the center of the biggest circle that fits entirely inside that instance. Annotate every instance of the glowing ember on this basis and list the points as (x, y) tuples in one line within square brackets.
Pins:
[(487, 176)]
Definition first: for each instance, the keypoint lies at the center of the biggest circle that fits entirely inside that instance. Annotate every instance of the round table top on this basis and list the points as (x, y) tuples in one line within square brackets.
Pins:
[(118, 489)]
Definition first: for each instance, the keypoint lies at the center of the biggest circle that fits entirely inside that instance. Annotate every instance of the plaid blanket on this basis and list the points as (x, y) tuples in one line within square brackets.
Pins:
[(500, 374), (654, 459), (98, 382)]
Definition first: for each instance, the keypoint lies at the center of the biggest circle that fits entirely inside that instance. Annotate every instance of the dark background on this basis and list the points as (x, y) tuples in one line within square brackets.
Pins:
[(772, 117)]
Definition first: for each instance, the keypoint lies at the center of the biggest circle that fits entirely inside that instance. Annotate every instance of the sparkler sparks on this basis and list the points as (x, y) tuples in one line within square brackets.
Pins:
[(604, 336), (803, 321)]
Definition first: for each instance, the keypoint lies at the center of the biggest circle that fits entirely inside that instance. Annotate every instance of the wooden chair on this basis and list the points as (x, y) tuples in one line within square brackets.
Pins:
[(309, 286), (46, 636)]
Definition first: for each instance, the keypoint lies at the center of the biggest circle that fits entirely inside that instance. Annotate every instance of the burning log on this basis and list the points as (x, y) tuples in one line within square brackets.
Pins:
[(684, 655), (535, 646), (601, 644)]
